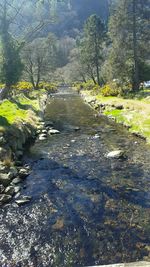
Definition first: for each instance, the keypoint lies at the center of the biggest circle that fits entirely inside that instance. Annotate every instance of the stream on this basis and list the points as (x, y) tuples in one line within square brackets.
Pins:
[(86, 209)]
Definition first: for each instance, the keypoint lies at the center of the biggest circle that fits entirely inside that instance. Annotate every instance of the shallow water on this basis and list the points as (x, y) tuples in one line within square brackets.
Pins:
[(85, 209)]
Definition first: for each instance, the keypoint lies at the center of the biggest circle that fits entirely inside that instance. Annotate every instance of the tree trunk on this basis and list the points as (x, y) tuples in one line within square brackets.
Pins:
[(97, 60), (135, 49), (92, 75)]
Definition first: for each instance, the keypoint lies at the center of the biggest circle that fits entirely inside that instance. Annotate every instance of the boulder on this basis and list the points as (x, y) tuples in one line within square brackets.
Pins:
[(10, 190), (5, 198), (118, 106), (5, 179), (14, 171), (49, 124), (23, 172), (44, 131), (116, 154), (23, 200), (17, 189), (42, 137), (53, 131), (3, 169), (16, 181)]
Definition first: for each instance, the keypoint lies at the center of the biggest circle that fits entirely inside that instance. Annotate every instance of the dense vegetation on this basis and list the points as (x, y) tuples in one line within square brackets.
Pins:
[(71, 41)]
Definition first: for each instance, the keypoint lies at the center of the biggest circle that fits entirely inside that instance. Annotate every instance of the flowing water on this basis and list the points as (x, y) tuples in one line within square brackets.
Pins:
[(85, 209)]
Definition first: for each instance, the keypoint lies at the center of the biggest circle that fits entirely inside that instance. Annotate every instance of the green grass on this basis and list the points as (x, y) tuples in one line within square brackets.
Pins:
[(135, 113), (19, 109), (9, 112)]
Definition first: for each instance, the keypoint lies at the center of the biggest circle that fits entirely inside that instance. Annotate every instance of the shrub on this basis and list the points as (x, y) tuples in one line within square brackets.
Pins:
[(52, 87), (84, 85), (96, 89), (111, 89), (23, 86), (88, 85), (2, 85)]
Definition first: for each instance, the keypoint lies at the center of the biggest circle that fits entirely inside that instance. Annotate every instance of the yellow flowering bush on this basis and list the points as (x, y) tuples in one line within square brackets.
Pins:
[(23, 85), (110, 89)]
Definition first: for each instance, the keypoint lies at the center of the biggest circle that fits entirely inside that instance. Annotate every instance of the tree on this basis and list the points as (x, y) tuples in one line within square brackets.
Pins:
[(128, 29), (11, 63), (12, 20), (39, 59), (91, 47)]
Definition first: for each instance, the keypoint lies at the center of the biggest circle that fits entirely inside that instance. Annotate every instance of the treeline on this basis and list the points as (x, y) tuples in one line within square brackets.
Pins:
[(117, 51), (48, 40)]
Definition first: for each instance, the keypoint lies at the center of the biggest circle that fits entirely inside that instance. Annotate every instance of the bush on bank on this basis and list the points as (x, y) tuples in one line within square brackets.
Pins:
[(27, 86), (112, 88)]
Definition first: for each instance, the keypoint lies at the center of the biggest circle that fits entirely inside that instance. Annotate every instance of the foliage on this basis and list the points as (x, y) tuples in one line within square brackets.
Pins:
[(90, 47), (129, 31), (2, 85), (10, 111), (109, 90), (12, 66), (21, 108), (23, 86), (11, 63), (51, 87), (85, 85), (39, 58)]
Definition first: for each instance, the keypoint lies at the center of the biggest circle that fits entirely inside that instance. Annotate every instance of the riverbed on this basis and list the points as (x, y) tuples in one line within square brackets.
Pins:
[(86, 209)]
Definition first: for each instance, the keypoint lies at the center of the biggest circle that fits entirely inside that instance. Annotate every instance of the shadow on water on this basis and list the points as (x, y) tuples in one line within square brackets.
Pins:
[(85, 208)]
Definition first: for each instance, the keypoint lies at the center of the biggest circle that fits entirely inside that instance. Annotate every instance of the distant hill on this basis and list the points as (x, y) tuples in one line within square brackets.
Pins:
[(73, 15)]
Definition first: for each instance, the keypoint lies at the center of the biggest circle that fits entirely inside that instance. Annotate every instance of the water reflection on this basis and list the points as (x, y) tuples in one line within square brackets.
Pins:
[(86, 209)]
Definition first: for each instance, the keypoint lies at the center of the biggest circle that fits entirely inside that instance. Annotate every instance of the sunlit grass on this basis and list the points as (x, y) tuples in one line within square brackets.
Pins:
[(19, 109), (135, 112)]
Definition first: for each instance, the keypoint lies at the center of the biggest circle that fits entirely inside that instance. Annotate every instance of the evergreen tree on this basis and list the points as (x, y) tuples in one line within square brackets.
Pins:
[(91, 46), (11, 63), (128, 29)]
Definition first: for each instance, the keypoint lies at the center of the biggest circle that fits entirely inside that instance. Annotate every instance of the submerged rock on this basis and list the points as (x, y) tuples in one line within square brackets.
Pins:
[(59, 224), (116, 154)]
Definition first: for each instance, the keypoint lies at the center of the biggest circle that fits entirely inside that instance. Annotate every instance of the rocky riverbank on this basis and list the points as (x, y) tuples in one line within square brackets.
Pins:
[(131, 113), (13, 140)]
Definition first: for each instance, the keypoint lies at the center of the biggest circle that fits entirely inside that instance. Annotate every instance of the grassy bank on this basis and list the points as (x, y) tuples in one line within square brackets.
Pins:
[(20, 117), (24, 104), (18, 109), (133, 113)]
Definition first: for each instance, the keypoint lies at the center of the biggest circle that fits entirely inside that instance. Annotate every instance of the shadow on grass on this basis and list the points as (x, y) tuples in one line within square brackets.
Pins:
[(25, 106), (4, 121), (138, 95)]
